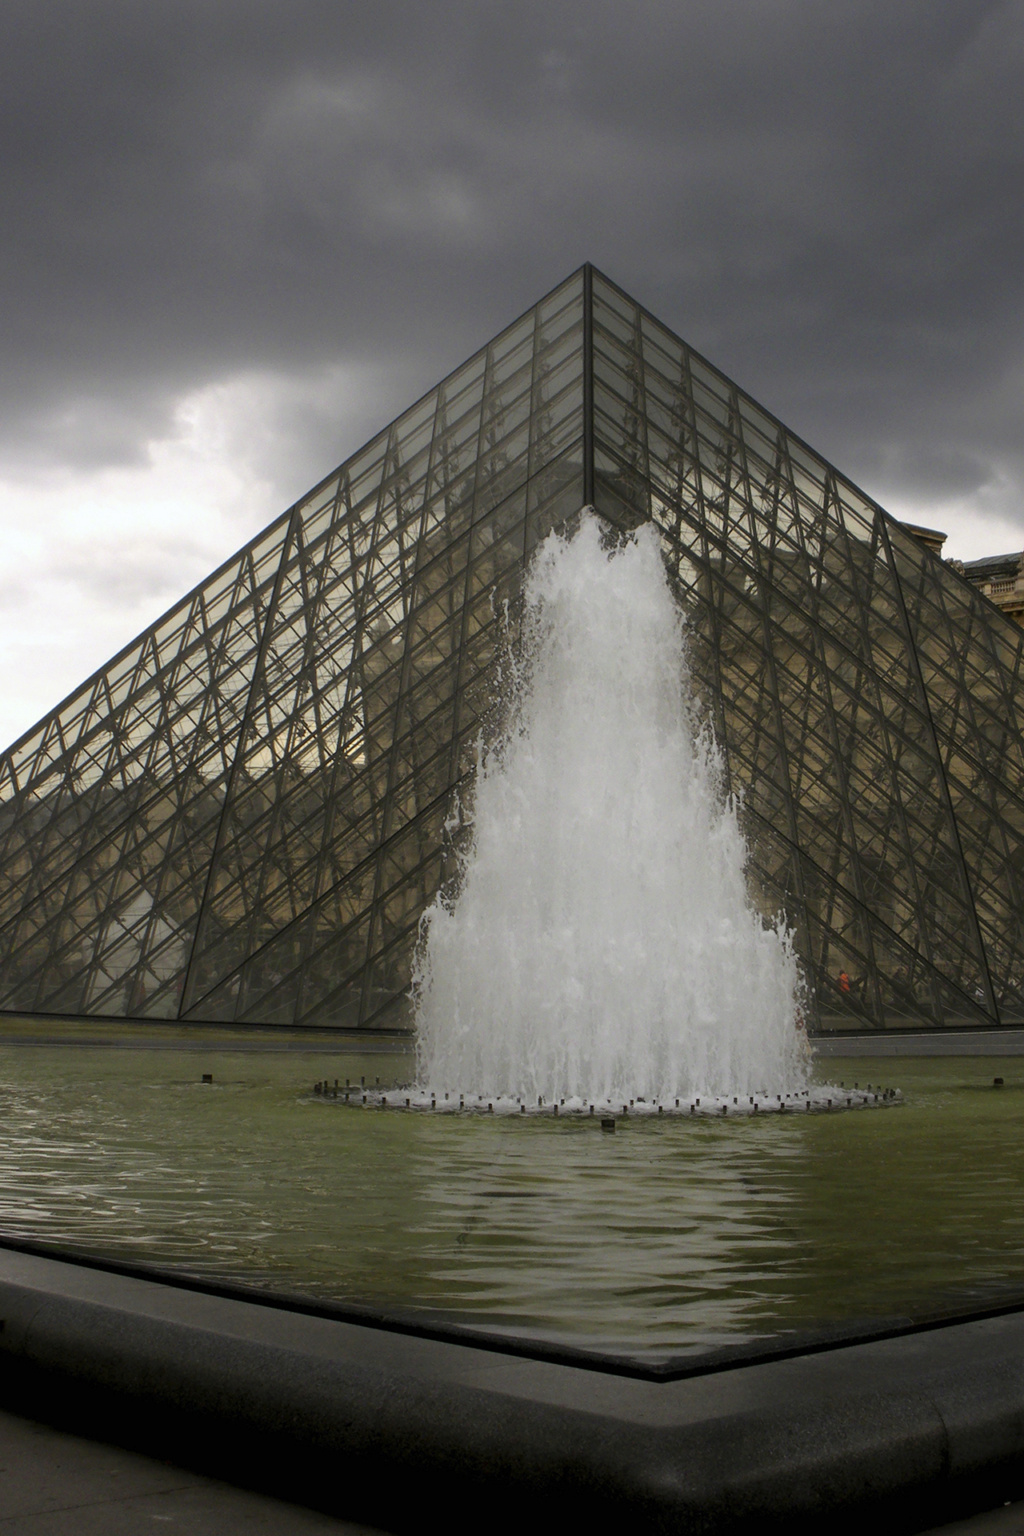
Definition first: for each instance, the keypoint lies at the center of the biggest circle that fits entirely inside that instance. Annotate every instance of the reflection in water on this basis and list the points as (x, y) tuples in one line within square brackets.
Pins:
[(643, 1229), (660, 1236)]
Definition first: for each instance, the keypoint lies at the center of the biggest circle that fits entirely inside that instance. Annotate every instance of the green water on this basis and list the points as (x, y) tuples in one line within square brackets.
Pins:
[(661, 1236)]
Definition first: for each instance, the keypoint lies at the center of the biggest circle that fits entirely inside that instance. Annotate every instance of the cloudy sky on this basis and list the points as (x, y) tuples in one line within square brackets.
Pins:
[(239, 235)]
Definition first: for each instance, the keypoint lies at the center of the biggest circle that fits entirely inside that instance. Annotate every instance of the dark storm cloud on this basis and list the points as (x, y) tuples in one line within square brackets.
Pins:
[(822, 195)]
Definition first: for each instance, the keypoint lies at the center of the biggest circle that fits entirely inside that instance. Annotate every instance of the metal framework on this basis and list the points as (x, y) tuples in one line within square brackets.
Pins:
[(243, 815)]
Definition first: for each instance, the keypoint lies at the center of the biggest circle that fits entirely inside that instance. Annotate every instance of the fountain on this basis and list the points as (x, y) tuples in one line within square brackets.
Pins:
[(601, 949)]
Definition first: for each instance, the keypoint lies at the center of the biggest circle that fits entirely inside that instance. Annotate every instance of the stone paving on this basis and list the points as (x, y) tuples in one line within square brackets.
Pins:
[(1007, 1521), (56, 1484)]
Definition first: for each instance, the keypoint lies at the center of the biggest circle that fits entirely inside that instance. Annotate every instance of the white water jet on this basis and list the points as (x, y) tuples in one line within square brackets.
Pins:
[(602, 943)]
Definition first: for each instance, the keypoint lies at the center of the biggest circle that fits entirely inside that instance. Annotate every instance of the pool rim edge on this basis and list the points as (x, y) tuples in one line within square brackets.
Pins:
[(370, 1422)]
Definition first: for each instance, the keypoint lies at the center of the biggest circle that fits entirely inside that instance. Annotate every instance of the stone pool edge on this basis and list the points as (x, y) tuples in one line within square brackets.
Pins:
[(388, 1427)]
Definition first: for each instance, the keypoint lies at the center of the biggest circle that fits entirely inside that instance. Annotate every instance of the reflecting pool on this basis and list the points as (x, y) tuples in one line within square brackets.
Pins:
[(661, 1237)]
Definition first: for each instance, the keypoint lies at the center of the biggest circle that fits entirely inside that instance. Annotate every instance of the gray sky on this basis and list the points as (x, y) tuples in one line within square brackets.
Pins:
[(240, 235)]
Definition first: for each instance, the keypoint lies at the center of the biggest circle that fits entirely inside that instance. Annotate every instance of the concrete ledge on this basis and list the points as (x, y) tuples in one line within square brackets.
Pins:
[(922, 1042), (392, 1428)]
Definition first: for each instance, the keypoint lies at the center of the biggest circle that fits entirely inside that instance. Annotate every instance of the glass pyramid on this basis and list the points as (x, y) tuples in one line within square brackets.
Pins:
[(242, 817)]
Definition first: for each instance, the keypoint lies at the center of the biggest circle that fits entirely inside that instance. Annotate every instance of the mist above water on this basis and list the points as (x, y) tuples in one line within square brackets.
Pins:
[(602, 942)]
